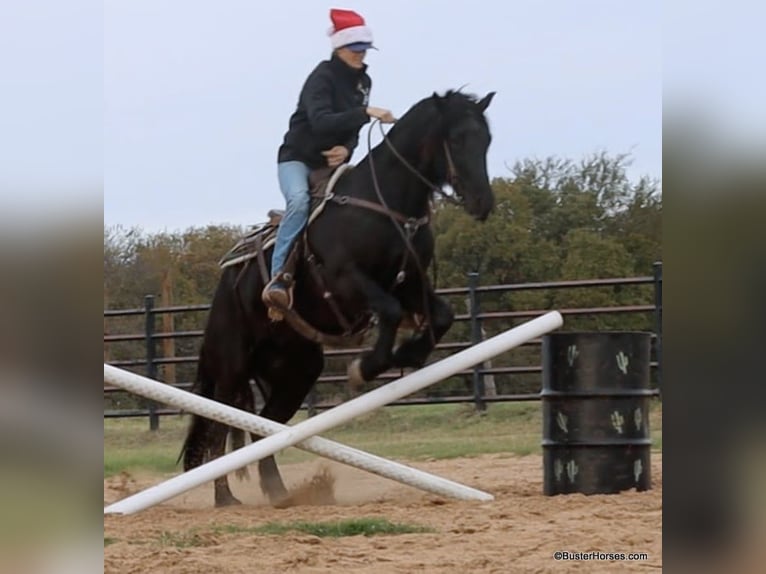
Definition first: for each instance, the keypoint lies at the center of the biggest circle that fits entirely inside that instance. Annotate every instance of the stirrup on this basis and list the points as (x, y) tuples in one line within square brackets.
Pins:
[(277, 300)]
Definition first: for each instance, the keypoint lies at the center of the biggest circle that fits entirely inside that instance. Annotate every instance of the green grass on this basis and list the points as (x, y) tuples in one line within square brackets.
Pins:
[(404, 432), (155, 460), (184, 539), (108, 541), (353, 527), (198, 537), (130, 445)]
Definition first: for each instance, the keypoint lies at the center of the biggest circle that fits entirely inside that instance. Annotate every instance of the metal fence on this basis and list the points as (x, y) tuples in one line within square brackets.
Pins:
[(478, 322)]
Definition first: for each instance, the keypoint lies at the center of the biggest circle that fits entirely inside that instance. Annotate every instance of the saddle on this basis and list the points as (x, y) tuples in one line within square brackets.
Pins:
[(262, 236)]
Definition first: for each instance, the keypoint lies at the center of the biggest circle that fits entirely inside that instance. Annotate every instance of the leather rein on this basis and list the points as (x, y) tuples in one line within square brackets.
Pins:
[(411, 224)]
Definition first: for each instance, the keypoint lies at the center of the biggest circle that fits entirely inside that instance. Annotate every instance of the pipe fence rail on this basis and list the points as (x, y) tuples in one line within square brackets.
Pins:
[(149, 364)]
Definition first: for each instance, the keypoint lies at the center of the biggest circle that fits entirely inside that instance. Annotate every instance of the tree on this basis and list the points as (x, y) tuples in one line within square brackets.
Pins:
[(589, 255)]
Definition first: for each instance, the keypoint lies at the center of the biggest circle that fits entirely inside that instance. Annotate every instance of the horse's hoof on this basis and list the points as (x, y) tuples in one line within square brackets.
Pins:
[(355, 378), (224, 501), (279, 497), (282, 502)]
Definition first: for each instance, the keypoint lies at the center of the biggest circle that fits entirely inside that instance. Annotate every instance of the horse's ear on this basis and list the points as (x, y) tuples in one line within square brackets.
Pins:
[(439, 101), (485, 101)]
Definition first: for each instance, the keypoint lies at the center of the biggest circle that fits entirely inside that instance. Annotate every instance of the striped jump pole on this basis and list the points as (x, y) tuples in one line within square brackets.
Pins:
[(339, 415), (244, 420)]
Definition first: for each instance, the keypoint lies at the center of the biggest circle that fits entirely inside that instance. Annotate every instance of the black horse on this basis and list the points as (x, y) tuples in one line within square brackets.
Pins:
[(372, 261)]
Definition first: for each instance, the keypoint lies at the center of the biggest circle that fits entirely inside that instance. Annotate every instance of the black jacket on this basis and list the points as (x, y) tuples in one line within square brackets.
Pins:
[(331, 111)]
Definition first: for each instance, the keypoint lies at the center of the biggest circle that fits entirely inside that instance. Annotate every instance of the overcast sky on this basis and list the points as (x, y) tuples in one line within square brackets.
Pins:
[(198, 93), (177, 107)]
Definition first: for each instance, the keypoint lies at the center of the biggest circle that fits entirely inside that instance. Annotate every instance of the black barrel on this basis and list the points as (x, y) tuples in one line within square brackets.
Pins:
[(595, 398)]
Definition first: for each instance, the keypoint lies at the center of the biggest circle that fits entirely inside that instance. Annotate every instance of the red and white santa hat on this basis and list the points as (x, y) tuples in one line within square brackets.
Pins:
[(349, 30)]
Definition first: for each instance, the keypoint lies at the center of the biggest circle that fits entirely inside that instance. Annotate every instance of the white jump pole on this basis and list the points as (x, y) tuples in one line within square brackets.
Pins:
[(244, 420), (339, 415)]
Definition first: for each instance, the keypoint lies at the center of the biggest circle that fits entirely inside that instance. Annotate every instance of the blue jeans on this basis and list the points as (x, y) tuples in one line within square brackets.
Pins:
[(294, 184)]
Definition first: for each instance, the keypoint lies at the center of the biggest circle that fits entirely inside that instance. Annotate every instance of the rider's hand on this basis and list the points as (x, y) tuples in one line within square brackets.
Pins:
[(381, 114), (336, 155)]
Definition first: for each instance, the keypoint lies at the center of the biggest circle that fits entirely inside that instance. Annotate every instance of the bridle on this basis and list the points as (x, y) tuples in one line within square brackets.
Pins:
[(410, 224), (452, 174)]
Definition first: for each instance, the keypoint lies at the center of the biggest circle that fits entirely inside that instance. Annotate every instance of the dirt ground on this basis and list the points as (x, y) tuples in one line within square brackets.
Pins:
[(517, 532)]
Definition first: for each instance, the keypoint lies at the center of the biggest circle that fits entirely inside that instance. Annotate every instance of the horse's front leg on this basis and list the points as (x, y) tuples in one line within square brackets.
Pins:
[(389, 311), (415, 351)]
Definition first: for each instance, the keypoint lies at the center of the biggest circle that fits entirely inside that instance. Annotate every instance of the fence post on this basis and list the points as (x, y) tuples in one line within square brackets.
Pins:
[(476, 338), (151, 366), (658, 318)]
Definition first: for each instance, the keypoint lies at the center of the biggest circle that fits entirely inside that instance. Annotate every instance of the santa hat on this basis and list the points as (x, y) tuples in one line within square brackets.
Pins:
[(348, 27)]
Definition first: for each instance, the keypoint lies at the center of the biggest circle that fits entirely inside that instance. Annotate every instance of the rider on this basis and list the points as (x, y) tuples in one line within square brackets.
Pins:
[(323, 131)]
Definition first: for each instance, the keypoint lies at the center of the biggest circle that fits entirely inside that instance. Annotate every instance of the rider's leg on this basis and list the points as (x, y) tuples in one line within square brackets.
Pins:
[(294, 184)]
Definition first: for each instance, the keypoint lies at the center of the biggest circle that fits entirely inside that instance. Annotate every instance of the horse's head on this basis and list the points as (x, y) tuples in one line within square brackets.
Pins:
[(444, 140), (465, 139)]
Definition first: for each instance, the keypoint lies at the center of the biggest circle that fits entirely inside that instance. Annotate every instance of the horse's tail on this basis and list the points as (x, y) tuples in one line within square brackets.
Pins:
[(237, 438), (196, 448), (222, 344), (245, 400)]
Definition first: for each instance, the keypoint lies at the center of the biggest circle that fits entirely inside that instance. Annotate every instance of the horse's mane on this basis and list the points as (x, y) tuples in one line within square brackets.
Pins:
[(433, 113), (453, 105)]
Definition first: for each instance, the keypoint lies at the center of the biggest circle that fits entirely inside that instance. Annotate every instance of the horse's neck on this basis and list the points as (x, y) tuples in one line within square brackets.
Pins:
[(402, 190)]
